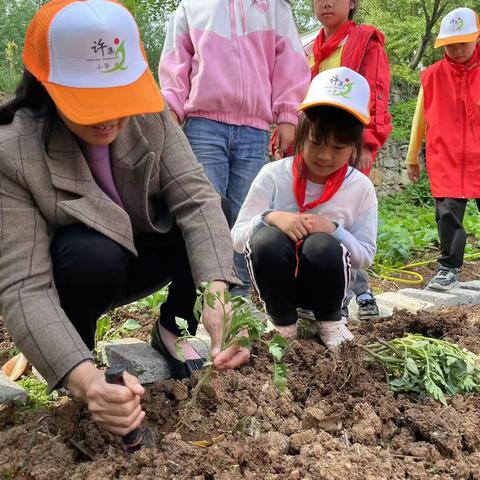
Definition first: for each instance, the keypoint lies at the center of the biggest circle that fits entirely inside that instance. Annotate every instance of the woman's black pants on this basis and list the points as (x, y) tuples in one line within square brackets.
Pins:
[(321, 283), (94, 274)]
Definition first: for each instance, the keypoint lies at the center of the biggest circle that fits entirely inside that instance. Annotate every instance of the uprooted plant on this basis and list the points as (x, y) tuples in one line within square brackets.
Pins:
[(240, 327), (427, 366)]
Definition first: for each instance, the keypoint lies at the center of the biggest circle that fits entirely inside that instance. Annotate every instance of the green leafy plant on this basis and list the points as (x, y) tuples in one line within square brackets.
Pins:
[(427, 366), (107, 332), (37, 395), (240, 327), (152, 301)]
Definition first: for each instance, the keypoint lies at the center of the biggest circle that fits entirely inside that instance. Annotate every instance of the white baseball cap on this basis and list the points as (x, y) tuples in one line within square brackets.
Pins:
[(459, 26), (89, 57), (342, 88)]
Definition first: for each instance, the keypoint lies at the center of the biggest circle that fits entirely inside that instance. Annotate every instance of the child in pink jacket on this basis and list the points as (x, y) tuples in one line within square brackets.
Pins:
[(229, 70)]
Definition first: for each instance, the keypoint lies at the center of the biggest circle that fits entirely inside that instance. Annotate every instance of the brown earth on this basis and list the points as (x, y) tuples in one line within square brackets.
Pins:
[(337, 420)]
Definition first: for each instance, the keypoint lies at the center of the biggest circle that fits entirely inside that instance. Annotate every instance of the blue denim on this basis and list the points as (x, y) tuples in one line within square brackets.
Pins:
[(232, 156)]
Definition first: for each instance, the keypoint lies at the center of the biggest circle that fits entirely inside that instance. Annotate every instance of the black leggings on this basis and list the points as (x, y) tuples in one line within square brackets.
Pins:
[(322, 280), (93, 274), (449, 213)]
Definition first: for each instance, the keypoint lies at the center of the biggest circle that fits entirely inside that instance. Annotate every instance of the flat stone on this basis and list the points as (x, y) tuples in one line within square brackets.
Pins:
[(439, 299), (465, 297), (403, 302), (11, 392), (472, 285), (101, 346), (139, 359)]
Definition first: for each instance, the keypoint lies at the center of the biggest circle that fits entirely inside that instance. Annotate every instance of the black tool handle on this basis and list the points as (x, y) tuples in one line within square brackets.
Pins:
[(134, 439)]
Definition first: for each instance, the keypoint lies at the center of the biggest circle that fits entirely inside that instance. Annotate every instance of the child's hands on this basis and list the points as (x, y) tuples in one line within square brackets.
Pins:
[(366, 160), (320, 223), (413, 172), (295, 225)]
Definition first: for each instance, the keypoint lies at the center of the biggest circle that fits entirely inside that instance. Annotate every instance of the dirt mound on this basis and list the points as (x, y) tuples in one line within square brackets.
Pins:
[(337, 420)]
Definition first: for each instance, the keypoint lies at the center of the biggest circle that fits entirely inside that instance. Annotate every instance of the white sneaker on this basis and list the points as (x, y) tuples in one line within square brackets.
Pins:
[(333, 334), (289, 332)]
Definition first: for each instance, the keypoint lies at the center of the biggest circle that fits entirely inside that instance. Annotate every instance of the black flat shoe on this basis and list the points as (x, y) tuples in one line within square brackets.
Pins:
[(178, 368)]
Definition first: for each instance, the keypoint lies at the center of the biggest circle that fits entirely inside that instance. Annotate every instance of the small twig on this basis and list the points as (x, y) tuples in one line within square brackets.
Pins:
[(345, 439), (81, 449), (395, 455)]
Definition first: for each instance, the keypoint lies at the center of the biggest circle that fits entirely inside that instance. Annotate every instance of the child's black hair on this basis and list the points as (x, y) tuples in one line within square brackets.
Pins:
[(324, 122)]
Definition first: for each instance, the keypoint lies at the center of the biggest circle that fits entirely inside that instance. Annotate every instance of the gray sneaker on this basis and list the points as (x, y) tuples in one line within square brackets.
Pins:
[(445, 279)]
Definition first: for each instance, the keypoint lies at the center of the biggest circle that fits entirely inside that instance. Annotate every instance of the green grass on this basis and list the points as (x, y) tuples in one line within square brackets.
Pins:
[(407, 229), (37, 396)]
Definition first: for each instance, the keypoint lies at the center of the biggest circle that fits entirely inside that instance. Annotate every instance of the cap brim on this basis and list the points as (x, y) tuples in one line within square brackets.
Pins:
[(88, 106), (362, 118), (471, 37)]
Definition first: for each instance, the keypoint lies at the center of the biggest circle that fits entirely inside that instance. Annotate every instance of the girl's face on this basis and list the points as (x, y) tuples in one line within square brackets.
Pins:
[(460, 52), (99, 134), (322, 159), (332, 13)]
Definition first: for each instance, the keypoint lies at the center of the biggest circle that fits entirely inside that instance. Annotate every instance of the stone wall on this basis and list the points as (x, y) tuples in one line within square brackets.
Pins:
[(389, 174)]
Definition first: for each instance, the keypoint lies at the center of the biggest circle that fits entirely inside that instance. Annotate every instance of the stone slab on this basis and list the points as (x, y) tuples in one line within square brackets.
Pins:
[(471, 285), (101, 346), (465, 296), (439, 299), (139, 359), (403, 302), (11, 392)]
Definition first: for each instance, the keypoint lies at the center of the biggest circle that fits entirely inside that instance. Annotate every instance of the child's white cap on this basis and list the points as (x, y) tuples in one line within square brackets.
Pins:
[(459, 26), (342, 88)]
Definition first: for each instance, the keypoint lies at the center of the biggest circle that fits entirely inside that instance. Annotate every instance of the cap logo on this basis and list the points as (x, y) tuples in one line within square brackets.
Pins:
[(456, 24), (339, 87), (109, 58)]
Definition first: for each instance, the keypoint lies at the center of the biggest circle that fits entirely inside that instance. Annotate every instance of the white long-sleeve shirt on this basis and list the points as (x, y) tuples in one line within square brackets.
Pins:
[(353, 208)]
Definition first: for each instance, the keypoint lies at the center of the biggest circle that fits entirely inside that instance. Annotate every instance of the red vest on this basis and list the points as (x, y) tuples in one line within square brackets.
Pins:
[(452, 113)]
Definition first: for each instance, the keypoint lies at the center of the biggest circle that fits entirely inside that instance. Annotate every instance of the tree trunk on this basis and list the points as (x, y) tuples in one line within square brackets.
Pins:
[(420, 51)]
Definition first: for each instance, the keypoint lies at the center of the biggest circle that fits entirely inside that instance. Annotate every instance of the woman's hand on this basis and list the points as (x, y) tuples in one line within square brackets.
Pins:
[(233, 356), (295, 225), (115, 408), (320, 223), (413, 172)]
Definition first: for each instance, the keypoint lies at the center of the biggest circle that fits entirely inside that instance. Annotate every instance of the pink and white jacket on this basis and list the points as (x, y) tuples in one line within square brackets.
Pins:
[(234, 61)]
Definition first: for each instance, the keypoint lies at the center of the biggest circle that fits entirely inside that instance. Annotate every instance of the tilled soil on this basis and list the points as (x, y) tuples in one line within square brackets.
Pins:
[(337, 420)]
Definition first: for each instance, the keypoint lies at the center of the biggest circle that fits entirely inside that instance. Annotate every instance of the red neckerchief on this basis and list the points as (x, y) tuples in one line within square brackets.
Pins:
[(323, 48), (333, 183)]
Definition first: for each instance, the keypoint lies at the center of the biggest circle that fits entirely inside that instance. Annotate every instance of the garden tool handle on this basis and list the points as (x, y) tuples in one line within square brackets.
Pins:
[(134, 439)]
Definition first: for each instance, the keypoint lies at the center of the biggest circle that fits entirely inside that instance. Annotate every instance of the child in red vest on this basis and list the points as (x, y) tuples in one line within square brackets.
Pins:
[(341, 42), (448, 111), (308, 219)]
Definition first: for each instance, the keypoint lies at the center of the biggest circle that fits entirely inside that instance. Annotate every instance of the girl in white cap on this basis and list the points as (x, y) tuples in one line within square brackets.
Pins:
[(308, 219), (101, 202), (448, 113)]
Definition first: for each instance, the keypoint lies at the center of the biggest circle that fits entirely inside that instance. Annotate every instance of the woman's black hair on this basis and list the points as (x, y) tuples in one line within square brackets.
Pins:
[(31, 94), (323, 123)]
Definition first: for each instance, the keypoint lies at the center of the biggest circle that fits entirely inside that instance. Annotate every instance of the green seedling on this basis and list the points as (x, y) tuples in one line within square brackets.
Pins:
[(152, 302), (107, 333), (240, 327), (427, 366)]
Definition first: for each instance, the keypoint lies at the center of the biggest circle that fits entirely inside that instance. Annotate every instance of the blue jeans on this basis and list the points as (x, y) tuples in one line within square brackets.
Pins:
[(232, 156)]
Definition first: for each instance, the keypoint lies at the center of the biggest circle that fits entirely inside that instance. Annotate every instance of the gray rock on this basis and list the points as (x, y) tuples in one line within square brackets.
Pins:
[(403, 302), (11, 392), (439, 299), (139, 359), (472, 285), (465, 297)]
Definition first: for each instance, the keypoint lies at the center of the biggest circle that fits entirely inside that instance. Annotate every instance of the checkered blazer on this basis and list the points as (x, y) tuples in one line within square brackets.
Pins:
[(152, 165)]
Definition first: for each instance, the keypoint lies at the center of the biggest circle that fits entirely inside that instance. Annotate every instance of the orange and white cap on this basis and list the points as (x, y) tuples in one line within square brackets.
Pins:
[(342, 88), (459, 26), (89, 57)]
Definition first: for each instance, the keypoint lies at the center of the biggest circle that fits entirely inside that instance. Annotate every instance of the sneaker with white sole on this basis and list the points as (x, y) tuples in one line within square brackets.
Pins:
[(333, 334), (367, 306), (445, 279)]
